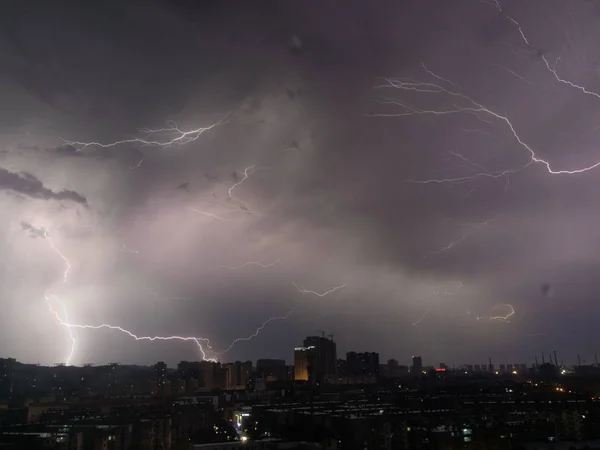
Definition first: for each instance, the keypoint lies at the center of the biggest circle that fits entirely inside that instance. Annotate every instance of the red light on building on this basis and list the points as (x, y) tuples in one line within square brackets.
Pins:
[(440, 369)]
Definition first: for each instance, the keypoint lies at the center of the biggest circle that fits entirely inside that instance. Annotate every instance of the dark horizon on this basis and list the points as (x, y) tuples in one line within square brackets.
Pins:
[(585, 361)]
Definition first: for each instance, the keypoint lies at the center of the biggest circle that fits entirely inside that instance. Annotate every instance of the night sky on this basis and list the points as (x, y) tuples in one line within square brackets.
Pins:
[(329, 117)]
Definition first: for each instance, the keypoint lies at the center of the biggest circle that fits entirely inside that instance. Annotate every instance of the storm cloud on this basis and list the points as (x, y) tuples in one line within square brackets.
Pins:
[(33, 232), (301, 92), (28, 185)]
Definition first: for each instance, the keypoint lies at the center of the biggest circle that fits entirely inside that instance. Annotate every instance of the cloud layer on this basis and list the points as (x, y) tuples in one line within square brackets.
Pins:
[(304, 170), (28, 185)]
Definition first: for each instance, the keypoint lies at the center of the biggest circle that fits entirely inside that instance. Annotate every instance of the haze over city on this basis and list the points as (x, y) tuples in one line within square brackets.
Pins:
[(414, 178)]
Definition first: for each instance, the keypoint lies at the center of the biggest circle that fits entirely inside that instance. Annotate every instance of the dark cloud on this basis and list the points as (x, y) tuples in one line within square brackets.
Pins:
[(184, 186), (33, 231), (300, 82), (28, 185)]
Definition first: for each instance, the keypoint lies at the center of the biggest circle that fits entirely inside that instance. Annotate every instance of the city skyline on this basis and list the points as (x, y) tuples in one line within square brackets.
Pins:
[(412, 178), (409, 362)]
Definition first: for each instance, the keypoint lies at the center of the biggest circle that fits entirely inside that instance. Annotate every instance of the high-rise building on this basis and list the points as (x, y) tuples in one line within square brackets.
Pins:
[(325, 357), (189, 370), (360, 364), (237, 374), (160, 369), (417, 365), (342, 367), (304, 358), (212, 375)]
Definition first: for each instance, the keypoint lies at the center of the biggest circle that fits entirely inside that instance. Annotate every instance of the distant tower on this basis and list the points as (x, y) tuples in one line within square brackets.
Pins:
[(417, 365), (325, 360)]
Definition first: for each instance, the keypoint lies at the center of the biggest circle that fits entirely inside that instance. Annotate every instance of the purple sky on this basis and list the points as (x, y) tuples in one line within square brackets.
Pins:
[(301, 90)]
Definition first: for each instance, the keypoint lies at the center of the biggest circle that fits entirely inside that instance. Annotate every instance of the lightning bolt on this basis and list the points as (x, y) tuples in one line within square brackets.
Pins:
[(471, 106), (512, 72), (245, 174), (474, 228), (251, 263), (139, 163), (253, 335), (70, 332), (501, 318), (477, 108), (422, 316), (196, 340), (49, 297), (447, 247), (170, 136), (210, 214), (506, 317), (64, 321), (549, 67), (306, 291), (445, 80)]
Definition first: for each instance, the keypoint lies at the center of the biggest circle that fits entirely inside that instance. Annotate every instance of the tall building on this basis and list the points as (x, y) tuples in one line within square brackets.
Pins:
[(7, 375), (303, 358), (325, 361), (160, 369), (342, 367), (212, 375), (237, 374), (189, 369), (360, 364), (417, 365)]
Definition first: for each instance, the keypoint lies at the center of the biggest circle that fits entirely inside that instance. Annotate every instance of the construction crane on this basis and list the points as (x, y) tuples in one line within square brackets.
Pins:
[(322, 333)]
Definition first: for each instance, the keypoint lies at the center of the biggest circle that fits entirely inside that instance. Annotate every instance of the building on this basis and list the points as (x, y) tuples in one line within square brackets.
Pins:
[(189, 369), (360, 364), (393, 369), (161, 373), (417, 365), (342, 367), (272, 369), (303, 358), (325, 360), (237, 374)]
